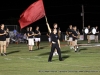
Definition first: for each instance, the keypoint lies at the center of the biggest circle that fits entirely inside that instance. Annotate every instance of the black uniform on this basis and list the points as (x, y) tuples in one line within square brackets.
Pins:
[(97, 30), (30, 33), (7, 34), (37, 32), (57, 32), (69, 30), (54, 38), (2, 37), (75, 34)]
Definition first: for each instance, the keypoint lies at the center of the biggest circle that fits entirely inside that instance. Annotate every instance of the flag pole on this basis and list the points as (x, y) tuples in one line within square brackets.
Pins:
[(46, 19)]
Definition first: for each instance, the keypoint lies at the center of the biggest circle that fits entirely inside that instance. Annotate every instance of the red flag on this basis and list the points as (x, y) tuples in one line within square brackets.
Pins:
[(33, 13)]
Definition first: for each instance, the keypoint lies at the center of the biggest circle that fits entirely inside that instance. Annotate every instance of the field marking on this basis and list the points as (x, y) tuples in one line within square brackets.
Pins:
[(36, 60), (7, 59), (88, 45), (29, 59), (20, 58), (38, 56), (48, 62)]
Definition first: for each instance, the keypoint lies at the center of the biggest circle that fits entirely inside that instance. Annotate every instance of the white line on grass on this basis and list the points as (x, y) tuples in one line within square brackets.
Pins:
[(30, 59), (20, 58), (51, 62), (7, 58)]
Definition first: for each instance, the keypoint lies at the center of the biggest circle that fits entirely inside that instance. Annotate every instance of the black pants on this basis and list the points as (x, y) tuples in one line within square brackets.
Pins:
[(52, 51)]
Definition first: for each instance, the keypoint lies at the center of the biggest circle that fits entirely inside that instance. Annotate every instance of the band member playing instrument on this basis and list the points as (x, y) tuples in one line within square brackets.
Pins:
[(88, 35), (70, 36), (55, 43), (96, 35), (7, 37), (3, 40), (75, 37)]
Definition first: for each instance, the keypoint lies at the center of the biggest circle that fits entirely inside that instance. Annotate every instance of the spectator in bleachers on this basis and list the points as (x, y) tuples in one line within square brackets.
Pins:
[(15, 32)]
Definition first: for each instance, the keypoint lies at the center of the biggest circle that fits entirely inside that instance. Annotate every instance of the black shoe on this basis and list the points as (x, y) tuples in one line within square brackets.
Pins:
[(75, 51), (60, 60), (30, 50), (1, 54), (49, 61)]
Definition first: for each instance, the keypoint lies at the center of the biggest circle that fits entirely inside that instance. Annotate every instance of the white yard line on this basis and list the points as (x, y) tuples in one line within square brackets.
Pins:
[(7, 59)]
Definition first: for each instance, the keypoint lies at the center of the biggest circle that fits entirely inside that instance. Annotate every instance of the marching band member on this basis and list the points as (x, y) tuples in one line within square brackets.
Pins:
[(67, 37), (3, 40), (7, 37), (70, 36), (96, 35), (78, 33), (30, 39), (88, 35), (37, 37), (75, 37)]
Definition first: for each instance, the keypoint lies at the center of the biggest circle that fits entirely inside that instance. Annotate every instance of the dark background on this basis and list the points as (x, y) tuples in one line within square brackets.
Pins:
[(63, 12)]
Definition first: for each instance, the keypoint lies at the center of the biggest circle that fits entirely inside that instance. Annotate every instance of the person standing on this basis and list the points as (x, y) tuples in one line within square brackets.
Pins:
[(69, 30), (55, 27), (55, 43), (7, 37), (96, 35), (78, 32), (75, 37), (37, 37), (3, 40), (88, 35), (30, 39)]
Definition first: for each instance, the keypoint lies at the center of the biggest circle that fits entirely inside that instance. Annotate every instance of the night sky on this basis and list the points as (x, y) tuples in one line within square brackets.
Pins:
[(63, 12)]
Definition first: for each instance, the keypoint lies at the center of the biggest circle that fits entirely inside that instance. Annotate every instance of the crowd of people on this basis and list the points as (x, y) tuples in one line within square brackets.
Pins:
[(30, 37), (91, 30)]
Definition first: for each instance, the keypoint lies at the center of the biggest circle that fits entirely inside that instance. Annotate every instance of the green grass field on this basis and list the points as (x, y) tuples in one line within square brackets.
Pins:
[(20, 61)]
